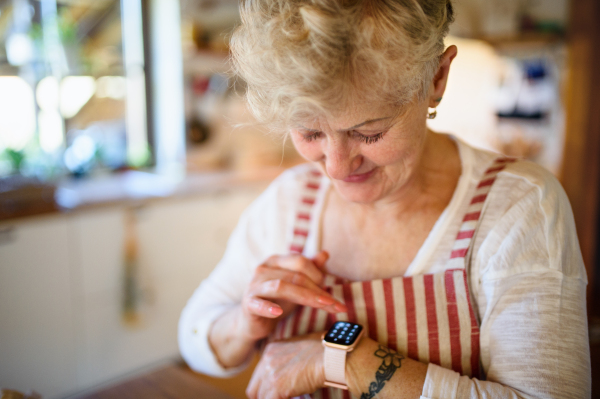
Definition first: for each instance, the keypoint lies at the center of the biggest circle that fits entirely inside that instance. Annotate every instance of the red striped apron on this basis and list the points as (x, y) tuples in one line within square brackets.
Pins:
[(427, 317)]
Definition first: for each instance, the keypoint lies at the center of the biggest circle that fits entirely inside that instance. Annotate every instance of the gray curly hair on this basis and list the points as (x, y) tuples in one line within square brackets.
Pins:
[(302, 57)]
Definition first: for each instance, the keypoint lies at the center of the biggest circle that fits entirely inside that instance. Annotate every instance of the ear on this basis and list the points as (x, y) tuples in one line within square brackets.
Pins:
[(438, 85)]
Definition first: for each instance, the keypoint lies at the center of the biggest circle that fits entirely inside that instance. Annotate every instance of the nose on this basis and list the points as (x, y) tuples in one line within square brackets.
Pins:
[(340, 159)]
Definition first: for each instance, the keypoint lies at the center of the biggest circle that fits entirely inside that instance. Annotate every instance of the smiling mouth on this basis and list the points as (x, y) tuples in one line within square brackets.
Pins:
[(359, 178)]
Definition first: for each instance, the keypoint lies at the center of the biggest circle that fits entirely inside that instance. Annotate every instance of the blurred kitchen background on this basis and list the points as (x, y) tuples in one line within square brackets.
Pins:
[(126, 157)]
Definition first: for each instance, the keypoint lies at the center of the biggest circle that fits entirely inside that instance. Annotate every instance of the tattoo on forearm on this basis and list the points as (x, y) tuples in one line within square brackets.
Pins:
[(391, 362)]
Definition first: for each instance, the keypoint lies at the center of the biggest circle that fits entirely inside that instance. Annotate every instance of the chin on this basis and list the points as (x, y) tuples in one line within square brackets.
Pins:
[(361, 193)]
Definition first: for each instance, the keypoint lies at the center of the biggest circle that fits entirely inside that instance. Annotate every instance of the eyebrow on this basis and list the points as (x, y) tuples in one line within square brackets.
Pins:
[(353, 127)]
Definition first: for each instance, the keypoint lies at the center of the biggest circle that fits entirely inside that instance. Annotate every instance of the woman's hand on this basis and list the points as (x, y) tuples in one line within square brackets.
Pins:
[(288, 368), (278, 286)]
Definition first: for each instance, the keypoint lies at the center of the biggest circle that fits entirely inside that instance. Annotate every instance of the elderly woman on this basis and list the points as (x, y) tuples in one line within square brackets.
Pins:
[(398, 262)]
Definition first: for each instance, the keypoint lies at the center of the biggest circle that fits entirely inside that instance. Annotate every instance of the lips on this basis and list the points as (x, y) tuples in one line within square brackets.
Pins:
[(359, 178)]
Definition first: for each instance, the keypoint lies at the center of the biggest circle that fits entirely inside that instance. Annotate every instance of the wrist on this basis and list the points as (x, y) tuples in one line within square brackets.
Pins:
[(355, 364), (228, 341), (320, 366), (242, 327)]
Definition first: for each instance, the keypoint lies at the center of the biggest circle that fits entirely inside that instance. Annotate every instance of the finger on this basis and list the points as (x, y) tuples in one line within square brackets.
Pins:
[(254, 384), (281, 289), (264, 308), (320, 259), (266, 273), (299, 264)]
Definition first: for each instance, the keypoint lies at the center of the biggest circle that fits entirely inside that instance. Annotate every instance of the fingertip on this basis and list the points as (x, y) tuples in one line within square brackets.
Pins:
[(272, 260), (320, 259), (340, 307), (325, 300), (275, 310), (336, 308)]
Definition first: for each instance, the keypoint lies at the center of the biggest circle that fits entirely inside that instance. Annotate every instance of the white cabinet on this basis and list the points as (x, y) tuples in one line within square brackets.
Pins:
[(98, 236), (179, 243), (62, 287), (37, 332)]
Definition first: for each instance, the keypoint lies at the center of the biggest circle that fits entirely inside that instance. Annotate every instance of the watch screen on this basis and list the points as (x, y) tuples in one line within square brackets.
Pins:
[(343, 333)]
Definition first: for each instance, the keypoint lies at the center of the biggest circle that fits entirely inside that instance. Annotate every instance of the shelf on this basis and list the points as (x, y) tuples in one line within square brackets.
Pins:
[(524, 39)]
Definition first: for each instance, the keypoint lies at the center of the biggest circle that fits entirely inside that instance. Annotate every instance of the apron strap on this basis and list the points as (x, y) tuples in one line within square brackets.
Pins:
[(461, 254), (305, 210), (470, 222)]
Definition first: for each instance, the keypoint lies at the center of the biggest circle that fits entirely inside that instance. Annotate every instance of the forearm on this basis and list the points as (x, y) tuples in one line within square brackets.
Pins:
[(444, 383), (409, 380), (364, 365), (412, 380), (228, 341), (367, 373)]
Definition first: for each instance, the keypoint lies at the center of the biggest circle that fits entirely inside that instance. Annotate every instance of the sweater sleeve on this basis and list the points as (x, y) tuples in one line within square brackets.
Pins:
[(260, 233), (529, 283)]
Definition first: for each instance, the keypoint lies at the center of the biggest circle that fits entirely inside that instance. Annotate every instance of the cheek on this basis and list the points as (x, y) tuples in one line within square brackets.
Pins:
[(403, 145), (310, 151), (391, 153)]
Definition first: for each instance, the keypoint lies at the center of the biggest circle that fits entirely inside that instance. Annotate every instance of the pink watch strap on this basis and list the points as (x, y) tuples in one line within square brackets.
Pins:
[(335, 367)]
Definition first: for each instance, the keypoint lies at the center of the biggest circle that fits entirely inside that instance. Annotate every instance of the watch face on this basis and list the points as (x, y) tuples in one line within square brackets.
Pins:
[(343, 333)]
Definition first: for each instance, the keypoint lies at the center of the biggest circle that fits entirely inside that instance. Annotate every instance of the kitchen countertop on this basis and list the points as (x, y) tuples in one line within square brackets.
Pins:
[(139, 186), (127, 187)]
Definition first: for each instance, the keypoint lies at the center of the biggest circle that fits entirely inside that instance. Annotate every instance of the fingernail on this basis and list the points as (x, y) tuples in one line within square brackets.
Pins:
[(275, 311), (341, 308), (325, 300)]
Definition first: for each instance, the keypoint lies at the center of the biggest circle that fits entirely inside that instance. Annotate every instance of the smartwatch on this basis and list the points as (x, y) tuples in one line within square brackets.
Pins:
[(341, 338)]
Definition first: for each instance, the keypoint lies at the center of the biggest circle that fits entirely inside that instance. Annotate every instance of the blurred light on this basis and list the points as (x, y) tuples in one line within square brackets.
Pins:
[(17, 113), (19, 49), (506, 95), (51, 130), (48, 94), (84, 148), (71, 161), (75, 92), (114, 87), (81, 152)]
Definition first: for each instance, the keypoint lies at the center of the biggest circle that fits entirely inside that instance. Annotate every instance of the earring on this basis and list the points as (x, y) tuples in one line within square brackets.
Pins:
[(432, 114)]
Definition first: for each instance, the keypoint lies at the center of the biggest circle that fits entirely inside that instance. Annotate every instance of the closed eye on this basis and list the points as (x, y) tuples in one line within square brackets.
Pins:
[(369, 139), (312, 136), (365, 139)]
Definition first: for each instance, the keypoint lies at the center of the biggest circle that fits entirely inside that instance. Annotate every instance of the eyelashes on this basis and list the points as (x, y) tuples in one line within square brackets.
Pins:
[(365, 139), (371, 139)]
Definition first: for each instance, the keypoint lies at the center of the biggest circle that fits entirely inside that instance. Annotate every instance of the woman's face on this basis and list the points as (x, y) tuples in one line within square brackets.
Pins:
[(369, 153)]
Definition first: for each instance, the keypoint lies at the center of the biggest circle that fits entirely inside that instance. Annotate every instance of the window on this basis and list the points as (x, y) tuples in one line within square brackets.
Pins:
[(72, 87)]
